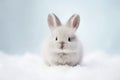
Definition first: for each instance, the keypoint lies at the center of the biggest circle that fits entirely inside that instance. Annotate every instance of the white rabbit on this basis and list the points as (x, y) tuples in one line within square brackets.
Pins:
[(62, 46)]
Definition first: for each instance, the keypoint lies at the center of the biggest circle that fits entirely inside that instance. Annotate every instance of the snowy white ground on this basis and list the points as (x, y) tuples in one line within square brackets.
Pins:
[(96, 66)]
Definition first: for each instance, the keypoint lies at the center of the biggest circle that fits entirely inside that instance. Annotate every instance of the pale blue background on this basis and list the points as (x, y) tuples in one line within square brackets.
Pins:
[(23, 23)]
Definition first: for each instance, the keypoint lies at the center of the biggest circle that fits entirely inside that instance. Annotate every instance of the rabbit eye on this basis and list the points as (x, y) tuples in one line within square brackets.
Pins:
[(56, 38), (69, 39)]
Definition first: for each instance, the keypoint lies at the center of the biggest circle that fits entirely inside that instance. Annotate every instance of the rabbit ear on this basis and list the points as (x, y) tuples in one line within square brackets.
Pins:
[(74, 21), (53, 20)]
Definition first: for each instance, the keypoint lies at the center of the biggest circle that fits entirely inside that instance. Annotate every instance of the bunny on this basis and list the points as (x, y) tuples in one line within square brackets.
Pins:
[(63, 47)]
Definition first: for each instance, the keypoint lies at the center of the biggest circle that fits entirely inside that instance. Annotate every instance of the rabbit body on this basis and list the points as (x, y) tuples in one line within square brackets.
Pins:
[(62, 47)]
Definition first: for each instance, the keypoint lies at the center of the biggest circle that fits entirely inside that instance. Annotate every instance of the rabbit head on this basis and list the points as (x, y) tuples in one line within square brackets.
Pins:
[(63, 36)]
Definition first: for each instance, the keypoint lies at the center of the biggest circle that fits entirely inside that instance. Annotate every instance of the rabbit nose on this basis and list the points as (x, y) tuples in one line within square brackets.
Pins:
[(62, 45)]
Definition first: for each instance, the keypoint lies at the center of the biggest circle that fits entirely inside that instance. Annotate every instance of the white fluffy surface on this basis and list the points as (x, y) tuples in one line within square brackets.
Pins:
[(96, 66)]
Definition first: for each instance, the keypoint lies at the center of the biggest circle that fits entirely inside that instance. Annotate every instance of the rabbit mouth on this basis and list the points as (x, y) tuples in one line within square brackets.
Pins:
[(62, 54)]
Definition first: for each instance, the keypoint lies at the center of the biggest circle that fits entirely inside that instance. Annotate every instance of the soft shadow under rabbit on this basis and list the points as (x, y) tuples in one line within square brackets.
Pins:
[(62, 47)]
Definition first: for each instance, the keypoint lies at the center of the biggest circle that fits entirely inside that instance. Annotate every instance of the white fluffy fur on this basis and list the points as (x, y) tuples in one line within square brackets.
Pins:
[(72, 52)]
